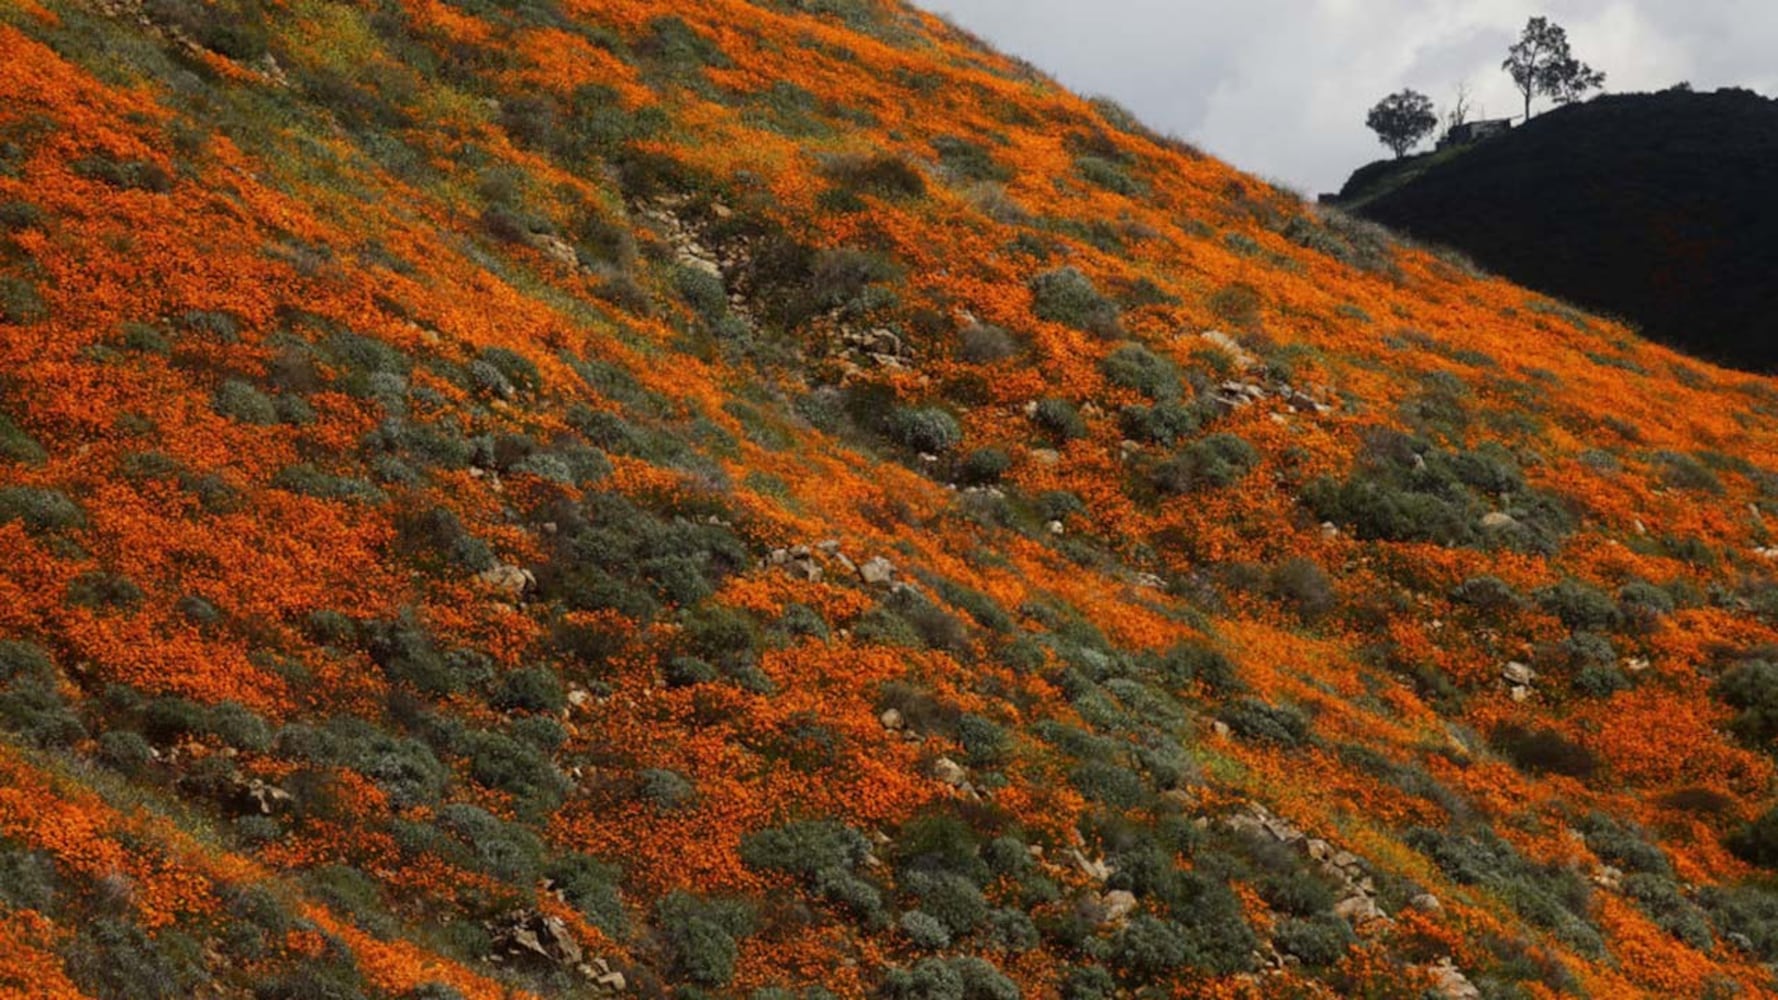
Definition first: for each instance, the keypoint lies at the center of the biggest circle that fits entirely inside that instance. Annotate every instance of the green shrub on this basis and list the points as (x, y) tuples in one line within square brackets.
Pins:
[(982, 344), (505, 851), (514, 368), (18, 446), (1252, 719), (1068, 297), (924, 930), (530, 689), (701, 934), (113, 959), (241, 402), (1107, 174), (983, 467), (19, 302), (1209, 463), (124, 751), (40, 510), (1162, 423), (703, 291), (929, 430), (591, 887), (1751, 687), (99, 589), (1134, 366), (959, 978), (666, 790), (1580, 605), (1059, 419), (1303, 585), (1318, 941), (1544, 751), (882, 174), (435, 537), (32, 709), (500, 762), (1756, 842), (968, 161)]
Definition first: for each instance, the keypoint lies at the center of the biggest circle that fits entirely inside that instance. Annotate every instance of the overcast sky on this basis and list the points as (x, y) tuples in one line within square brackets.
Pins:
[(1280, 87)]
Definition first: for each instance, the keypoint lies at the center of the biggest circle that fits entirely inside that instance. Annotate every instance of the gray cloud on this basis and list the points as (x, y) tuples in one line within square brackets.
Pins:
[(1280, 87)]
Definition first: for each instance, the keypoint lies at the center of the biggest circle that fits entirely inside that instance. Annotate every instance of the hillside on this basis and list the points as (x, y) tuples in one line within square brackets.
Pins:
[(1654, 207), (774, 500)]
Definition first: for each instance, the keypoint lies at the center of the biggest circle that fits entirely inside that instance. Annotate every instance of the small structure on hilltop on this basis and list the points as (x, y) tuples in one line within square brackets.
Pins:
[(1470, 132)]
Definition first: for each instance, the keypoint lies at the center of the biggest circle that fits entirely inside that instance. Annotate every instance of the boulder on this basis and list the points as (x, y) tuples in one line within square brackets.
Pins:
[(877, 571)]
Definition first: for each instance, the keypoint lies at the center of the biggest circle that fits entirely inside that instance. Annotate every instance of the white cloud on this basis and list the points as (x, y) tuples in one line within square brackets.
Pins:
[(1280, 87)]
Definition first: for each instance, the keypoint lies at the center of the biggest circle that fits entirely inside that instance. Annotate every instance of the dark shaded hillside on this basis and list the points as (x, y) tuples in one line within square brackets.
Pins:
[(1662, 208)]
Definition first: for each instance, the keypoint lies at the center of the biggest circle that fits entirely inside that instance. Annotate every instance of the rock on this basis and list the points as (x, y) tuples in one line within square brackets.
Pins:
[(950, 772), (556, 249), (1450, 983), (1056, 528), (1149, 581), (1116, 906), (1426, 902), (508, 579), (1496, 520), (1636, 664), (1096, 870), (1359, 910), (256, 796), (877, 571), (1517, 673), (1046, 456), (1519, 693), (1230, 347), (891, 719), (1318, 849), (1329, 530), (1220, 727), (533, 936), (1607, 877)]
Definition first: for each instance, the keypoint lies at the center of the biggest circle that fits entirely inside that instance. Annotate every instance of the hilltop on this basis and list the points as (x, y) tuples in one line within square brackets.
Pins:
[(703, 498), (1657, 208)]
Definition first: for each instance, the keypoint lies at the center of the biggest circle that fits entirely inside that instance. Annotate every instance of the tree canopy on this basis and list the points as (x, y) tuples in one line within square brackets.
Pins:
[(1402, 120), (1541, 63)]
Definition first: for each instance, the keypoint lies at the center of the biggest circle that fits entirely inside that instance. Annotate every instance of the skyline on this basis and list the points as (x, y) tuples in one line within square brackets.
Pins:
[(1280, 88)]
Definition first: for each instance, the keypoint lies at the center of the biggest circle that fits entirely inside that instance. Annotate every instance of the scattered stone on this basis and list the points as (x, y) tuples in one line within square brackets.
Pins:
[(1636, 664), (891, 719), (1496, 520), (513, 581), (1056, 528), (1230, 347), (1607, 877), (950, 772), (528, 935), (1450, 983), (1097, 870), (1426, 902), (877, 571), (1115, 907), (1046, 456), (1518, 673)]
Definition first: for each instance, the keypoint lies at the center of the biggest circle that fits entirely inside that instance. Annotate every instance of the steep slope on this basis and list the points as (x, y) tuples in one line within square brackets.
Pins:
[(1654, 207), (705, 497)]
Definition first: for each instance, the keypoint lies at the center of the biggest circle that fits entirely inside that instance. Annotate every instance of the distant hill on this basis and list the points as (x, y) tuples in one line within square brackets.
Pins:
[(1660, 208)]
